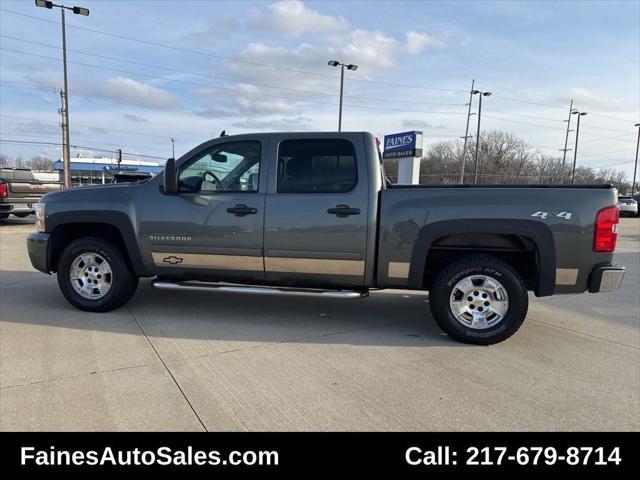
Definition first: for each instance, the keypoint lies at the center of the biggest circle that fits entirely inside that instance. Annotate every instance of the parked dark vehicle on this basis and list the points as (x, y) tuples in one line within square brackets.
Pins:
[(310, 213), (131, 177), (20, 191)]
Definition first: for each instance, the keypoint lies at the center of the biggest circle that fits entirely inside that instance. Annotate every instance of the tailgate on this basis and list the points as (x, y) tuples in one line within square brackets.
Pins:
[(32, 190)]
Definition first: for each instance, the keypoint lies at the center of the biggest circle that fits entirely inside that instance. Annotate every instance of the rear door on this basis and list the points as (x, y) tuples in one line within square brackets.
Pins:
[(316, 212)]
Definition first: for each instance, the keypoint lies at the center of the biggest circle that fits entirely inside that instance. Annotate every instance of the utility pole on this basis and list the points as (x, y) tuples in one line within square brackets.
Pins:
[(466, 132), (575, 149), (635, 168), (350, 66), (66, 153), (66, 156), (173, 148), (119, 158), (475, 167), (566, 139)]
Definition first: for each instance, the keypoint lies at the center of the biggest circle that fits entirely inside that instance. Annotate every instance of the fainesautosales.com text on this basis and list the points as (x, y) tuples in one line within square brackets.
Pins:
[(160, 456)]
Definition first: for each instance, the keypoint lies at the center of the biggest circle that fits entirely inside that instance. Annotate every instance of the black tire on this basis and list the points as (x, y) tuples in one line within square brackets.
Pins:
[(492, 267), (123, 282), (4, 216)]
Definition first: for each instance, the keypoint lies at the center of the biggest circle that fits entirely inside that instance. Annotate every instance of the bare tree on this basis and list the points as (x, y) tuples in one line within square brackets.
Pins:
[(41, 163)]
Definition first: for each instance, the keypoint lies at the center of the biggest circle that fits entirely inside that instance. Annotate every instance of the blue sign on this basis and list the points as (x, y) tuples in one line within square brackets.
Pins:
[(405, 144)]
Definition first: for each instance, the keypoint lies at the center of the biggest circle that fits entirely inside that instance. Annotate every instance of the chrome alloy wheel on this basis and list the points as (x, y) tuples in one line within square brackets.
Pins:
[(479, 302), (90, 275)]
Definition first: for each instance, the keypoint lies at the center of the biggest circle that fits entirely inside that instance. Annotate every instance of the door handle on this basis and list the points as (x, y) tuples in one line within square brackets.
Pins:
[(241, 210), (343, 211)]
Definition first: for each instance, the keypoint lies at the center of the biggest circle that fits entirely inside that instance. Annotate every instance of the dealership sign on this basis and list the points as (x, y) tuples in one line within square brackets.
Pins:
[(401, 145)]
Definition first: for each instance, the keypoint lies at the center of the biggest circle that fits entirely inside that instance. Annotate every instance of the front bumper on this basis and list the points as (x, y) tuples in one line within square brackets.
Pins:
[(606, 278), (38, 248)]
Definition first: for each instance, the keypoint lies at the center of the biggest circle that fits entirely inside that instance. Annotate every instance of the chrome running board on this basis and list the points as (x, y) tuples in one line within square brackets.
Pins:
[(203, 287)]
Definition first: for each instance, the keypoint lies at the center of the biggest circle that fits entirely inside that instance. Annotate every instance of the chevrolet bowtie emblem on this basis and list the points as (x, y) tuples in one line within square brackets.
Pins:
[(173, 260)]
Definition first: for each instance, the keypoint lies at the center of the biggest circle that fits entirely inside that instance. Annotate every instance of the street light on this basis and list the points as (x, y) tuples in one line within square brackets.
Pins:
[(350, 66), (66, 156), (173, 147), (635, 168), (575, 149), (566, 139), (480, 95)]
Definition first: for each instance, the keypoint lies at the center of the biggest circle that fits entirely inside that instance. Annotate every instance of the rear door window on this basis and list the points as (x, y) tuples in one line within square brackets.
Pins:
[(316, 166)]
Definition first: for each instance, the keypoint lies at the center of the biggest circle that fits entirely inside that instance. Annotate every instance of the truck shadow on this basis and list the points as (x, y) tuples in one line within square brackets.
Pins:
[(386, 318)]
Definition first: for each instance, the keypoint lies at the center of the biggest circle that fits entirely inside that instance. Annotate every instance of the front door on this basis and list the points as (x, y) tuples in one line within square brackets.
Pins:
[(316, 213), (212, 228)]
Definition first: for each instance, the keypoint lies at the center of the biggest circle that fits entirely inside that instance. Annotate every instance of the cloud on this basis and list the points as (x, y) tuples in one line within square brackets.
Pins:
[(416, 123), (417, 42), (36, 126), (590, 99), (135, 118), (247, 100), (297, 123), (131, 90), (291, 19)]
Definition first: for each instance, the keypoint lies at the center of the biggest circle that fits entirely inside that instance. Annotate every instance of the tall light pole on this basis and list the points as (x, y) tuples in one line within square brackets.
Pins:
[(173, 147), (349, 66), (575, 149), (66, 156), (635, 168), (466, 132), (566, 139), (480, 95)]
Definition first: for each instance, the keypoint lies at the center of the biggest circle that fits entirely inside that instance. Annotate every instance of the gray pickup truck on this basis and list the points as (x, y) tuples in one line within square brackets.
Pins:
[(312, 213), (20, 191)]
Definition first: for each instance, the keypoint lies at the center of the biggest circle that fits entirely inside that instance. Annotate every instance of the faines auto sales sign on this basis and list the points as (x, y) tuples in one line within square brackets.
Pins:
[(400, 145)]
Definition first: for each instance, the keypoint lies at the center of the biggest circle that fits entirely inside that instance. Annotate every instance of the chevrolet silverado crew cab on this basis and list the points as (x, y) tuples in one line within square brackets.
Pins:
[(312, 213)]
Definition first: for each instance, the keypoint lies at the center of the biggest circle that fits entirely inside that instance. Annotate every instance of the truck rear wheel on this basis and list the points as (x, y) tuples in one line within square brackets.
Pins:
[(479, 299), (95, 275)]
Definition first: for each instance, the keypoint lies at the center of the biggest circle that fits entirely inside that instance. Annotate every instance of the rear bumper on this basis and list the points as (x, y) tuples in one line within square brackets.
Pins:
[(606, 278), (38, 248)]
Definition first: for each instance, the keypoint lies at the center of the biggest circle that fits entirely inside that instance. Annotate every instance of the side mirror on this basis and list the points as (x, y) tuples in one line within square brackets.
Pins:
[(170, 176)]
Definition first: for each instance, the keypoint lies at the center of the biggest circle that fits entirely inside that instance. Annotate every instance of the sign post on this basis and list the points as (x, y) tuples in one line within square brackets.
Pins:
[(407, 148)]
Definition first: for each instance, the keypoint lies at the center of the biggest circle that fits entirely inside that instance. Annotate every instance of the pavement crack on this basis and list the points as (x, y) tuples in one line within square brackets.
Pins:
[(70, 377), (184, 395)]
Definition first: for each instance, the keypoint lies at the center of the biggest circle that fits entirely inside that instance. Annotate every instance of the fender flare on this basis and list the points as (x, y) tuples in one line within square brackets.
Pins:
[(537, 232), (119, 220)]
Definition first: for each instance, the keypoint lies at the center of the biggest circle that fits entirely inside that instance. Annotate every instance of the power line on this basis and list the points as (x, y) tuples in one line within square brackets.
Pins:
[(230, 59), (218, 77), (47, 135), (614, 137), (613, 118), (165, 137), (603, 154), (301, 100), (58, 144), (508, 120), (526, 116)]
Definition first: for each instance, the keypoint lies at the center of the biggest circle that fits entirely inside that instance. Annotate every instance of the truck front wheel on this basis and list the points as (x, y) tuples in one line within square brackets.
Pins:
[(479, 299), (95, 275)]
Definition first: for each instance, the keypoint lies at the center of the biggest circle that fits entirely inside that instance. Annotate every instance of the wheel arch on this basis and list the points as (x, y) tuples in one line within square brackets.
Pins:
[(114, 226), (538, 234)]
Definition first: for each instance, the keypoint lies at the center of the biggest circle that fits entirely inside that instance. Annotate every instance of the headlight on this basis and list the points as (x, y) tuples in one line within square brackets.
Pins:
[(40, 220)]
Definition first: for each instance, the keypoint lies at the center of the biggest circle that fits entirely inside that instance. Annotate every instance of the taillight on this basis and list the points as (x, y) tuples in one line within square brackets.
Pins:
[(605, 232), (3, 190)]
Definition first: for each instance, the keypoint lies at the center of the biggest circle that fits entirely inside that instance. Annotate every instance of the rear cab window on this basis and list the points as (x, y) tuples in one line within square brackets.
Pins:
[(317, 166)]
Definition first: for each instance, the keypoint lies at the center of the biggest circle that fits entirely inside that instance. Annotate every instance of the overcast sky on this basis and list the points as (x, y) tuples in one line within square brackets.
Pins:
[(190, 69)]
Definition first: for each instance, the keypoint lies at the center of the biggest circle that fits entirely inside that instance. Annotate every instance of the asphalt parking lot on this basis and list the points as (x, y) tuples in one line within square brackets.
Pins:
[(221, 361)]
